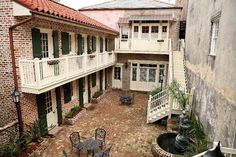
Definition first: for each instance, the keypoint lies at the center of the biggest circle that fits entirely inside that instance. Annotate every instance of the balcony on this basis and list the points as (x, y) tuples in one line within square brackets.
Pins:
[(142, 46), (38, 76)]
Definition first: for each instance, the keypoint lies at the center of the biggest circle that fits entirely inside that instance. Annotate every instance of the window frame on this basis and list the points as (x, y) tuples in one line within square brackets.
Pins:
[(214, 35)]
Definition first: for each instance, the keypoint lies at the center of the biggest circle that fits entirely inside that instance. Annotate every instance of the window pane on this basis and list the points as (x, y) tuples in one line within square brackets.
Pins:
[(145, 29), (161, 72), (143, 74), (135, 28), (44, 44), (134, 74), (117, 73), (154, 29), (164, 28), (152, 75)]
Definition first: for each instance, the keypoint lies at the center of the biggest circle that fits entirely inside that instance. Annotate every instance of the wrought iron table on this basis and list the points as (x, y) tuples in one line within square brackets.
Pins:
[(90, 145), (126, 99)]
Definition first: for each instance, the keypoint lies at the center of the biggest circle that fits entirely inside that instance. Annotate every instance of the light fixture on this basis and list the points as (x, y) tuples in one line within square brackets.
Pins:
[(16, 96)]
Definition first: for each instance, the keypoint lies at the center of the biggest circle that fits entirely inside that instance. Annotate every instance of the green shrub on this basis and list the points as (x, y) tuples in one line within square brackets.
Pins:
[(11, 149), (155, 91), (73, 111), (97, 94), (33, 131)]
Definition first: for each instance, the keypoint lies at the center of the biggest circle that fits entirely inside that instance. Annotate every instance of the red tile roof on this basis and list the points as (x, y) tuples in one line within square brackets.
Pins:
[(59, 10)]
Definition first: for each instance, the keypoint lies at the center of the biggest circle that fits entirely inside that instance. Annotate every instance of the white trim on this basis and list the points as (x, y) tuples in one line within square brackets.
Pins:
[(19, 10), (50, 41)]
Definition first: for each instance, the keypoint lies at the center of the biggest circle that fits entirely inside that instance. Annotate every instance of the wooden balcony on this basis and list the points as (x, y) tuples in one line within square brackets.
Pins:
[(142, 46), (38, 76)]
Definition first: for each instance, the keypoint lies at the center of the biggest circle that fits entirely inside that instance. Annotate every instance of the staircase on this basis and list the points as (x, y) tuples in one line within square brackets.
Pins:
[(161, 104)]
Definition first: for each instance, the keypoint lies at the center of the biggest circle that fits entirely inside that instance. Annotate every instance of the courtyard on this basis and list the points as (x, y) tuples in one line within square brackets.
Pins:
[(126, 128)]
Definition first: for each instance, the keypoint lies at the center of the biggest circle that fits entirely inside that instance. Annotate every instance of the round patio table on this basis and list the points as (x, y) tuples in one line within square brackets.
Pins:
[(90, 145)]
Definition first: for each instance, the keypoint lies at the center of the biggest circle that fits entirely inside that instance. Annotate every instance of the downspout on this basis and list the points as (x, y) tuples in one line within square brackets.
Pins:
[(11, 28)]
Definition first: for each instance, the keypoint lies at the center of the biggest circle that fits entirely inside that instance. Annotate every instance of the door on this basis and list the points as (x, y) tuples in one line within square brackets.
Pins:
[(81, 92), (89, 88), (101, 80), (117, 76), (51, 108)]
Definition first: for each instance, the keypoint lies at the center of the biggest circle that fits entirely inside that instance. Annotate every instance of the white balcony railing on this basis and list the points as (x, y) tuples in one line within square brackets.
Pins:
[(142, 46), (38, 76)]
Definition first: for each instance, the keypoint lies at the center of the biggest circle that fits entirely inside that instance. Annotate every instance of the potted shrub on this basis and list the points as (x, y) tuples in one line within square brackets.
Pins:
[(96, 96), (53, 62), (74, 114)]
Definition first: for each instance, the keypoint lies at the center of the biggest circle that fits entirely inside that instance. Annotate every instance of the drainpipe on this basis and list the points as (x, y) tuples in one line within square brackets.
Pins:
[(11, 28)]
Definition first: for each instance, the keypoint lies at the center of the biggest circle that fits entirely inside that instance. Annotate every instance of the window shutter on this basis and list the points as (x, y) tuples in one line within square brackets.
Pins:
[(106, 44), (88, 45), (36, 42), (59, 109), (42, 114), (101, 44), (80, 46), (67, 93), (94, 43), (65, 42), (55, 44)]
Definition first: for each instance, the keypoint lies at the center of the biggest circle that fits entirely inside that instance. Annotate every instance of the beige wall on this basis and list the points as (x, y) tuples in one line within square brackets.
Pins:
[(213, 76)]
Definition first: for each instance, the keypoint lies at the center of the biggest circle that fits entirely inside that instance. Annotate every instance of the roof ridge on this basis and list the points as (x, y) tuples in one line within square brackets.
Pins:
[(98, 4)]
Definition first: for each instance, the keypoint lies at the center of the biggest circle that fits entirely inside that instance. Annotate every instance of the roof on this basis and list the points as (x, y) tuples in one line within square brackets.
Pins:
[(56, 9), (130, 4)]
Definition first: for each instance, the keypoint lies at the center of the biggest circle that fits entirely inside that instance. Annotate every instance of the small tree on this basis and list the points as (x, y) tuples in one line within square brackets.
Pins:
[(179, 95)]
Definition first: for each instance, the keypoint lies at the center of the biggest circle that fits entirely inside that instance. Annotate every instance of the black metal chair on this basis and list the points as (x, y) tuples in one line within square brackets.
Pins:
[(105, 153), (75, 141), (100, 134)]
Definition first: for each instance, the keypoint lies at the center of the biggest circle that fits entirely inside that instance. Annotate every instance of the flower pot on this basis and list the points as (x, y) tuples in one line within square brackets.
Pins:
[(53, 62)]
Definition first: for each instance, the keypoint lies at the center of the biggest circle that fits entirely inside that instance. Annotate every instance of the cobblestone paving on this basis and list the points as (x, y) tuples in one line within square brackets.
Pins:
[(126, 128)]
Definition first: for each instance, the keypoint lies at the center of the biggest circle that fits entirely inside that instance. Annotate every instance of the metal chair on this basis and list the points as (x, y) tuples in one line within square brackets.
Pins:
[(100, 134), (75, 141), (105, 153)]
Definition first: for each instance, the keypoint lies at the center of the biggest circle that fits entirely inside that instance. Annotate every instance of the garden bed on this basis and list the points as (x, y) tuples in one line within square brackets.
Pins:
[(73, 115)]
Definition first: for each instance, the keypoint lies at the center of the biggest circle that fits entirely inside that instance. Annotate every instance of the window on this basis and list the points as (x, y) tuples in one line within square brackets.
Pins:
[(134, 72), (44, 44), (82, 45), (161, 72), (164, 28), (214, 35), (48, 102), (106, 44), (135, 28), (101, 44), (148, 72), (154, 29), (124, 37), (65, 43), (117, 73), (145, 29), (124, 33), (94, 79), (94, 43)]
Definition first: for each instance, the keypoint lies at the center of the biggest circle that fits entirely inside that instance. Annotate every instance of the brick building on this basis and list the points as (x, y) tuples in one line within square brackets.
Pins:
[(62, 58), (147, 30)]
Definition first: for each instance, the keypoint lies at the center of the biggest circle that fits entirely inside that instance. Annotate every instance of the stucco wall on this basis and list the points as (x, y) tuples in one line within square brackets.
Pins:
[(213, 76)]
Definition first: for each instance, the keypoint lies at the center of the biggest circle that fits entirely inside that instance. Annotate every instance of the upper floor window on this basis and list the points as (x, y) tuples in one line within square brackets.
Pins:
[(164, 28), (101, 44), (154, 32), (70, 42), (44, 44), (164, 32), (214, 35), (65, 43), (154, 29), (145, 32), (135, 28), (91, 44), (106, 44), (124, 33)]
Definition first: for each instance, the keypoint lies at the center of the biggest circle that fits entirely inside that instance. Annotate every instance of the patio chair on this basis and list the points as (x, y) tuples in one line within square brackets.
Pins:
[(75, 141), (100, 134), (104, 153)]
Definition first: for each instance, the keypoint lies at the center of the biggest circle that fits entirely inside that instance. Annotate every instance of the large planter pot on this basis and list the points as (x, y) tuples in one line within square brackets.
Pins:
[(71, 121)]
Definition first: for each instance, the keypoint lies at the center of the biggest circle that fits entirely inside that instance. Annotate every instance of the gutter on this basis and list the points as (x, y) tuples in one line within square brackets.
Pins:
[(11, 28)]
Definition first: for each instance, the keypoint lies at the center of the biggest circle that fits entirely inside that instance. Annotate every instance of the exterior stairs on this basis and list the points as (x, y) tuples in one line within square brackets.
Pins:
[(161, 104)]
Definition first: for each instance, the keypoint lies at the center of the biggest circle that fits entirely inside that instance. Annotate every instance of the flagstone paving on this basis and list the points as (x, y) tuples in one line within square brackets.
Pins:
[(126, 128)]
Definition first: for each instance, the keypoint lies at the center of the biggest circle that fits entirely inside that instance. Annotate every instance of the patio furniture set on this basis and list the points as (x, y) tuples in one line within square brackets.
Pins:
[(126, 98), (93, 146)]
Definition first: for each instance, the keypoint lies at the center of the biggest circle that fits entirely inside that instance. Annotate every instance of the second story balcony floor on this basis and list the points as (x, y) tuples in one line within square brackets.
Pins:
[(144, 34)]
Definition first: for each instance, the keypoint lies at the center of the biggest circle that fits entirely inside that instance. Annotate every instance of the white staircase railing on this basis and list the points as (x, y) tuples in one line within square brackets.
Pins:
[(158, 106)]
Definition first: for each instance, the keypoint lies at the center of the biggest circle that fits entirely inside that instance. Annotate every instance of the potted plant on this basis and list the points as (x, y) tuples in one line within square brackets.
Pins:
[(96, 96), (74, 114), (53, 62)]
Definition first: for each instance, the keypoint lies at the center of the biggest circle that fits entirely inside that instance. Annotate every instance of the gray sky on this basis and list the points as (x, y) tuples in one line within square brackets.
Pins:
[(76, 4)]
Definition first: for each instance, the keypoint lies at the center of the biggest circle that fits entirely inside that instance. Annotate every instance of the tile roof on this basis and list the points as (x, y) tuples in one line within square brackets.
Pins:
[(59, 10), (130, 4)]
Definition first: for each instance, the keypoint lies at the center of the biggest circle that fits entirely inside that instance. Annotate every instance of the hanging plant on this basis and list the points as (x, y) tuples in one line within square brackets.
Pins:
[(53, 62)]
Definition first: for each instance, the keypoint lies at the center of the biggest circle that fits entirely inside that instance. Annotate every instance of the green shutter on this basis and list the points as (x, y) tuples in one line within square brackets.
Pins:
[(42, 114), (88, 45), (80, 44), (36, 42), (101, 44), (81, 92), (59, 109), (65, 42), (67, 93), (55, 44), (106, 44), (101, 80), (94, 43)]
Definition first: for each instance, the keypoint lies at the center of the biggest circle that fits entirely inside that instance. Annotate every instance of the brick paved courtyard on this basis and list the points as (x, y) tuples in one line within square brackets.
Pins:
[(126, 128)]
